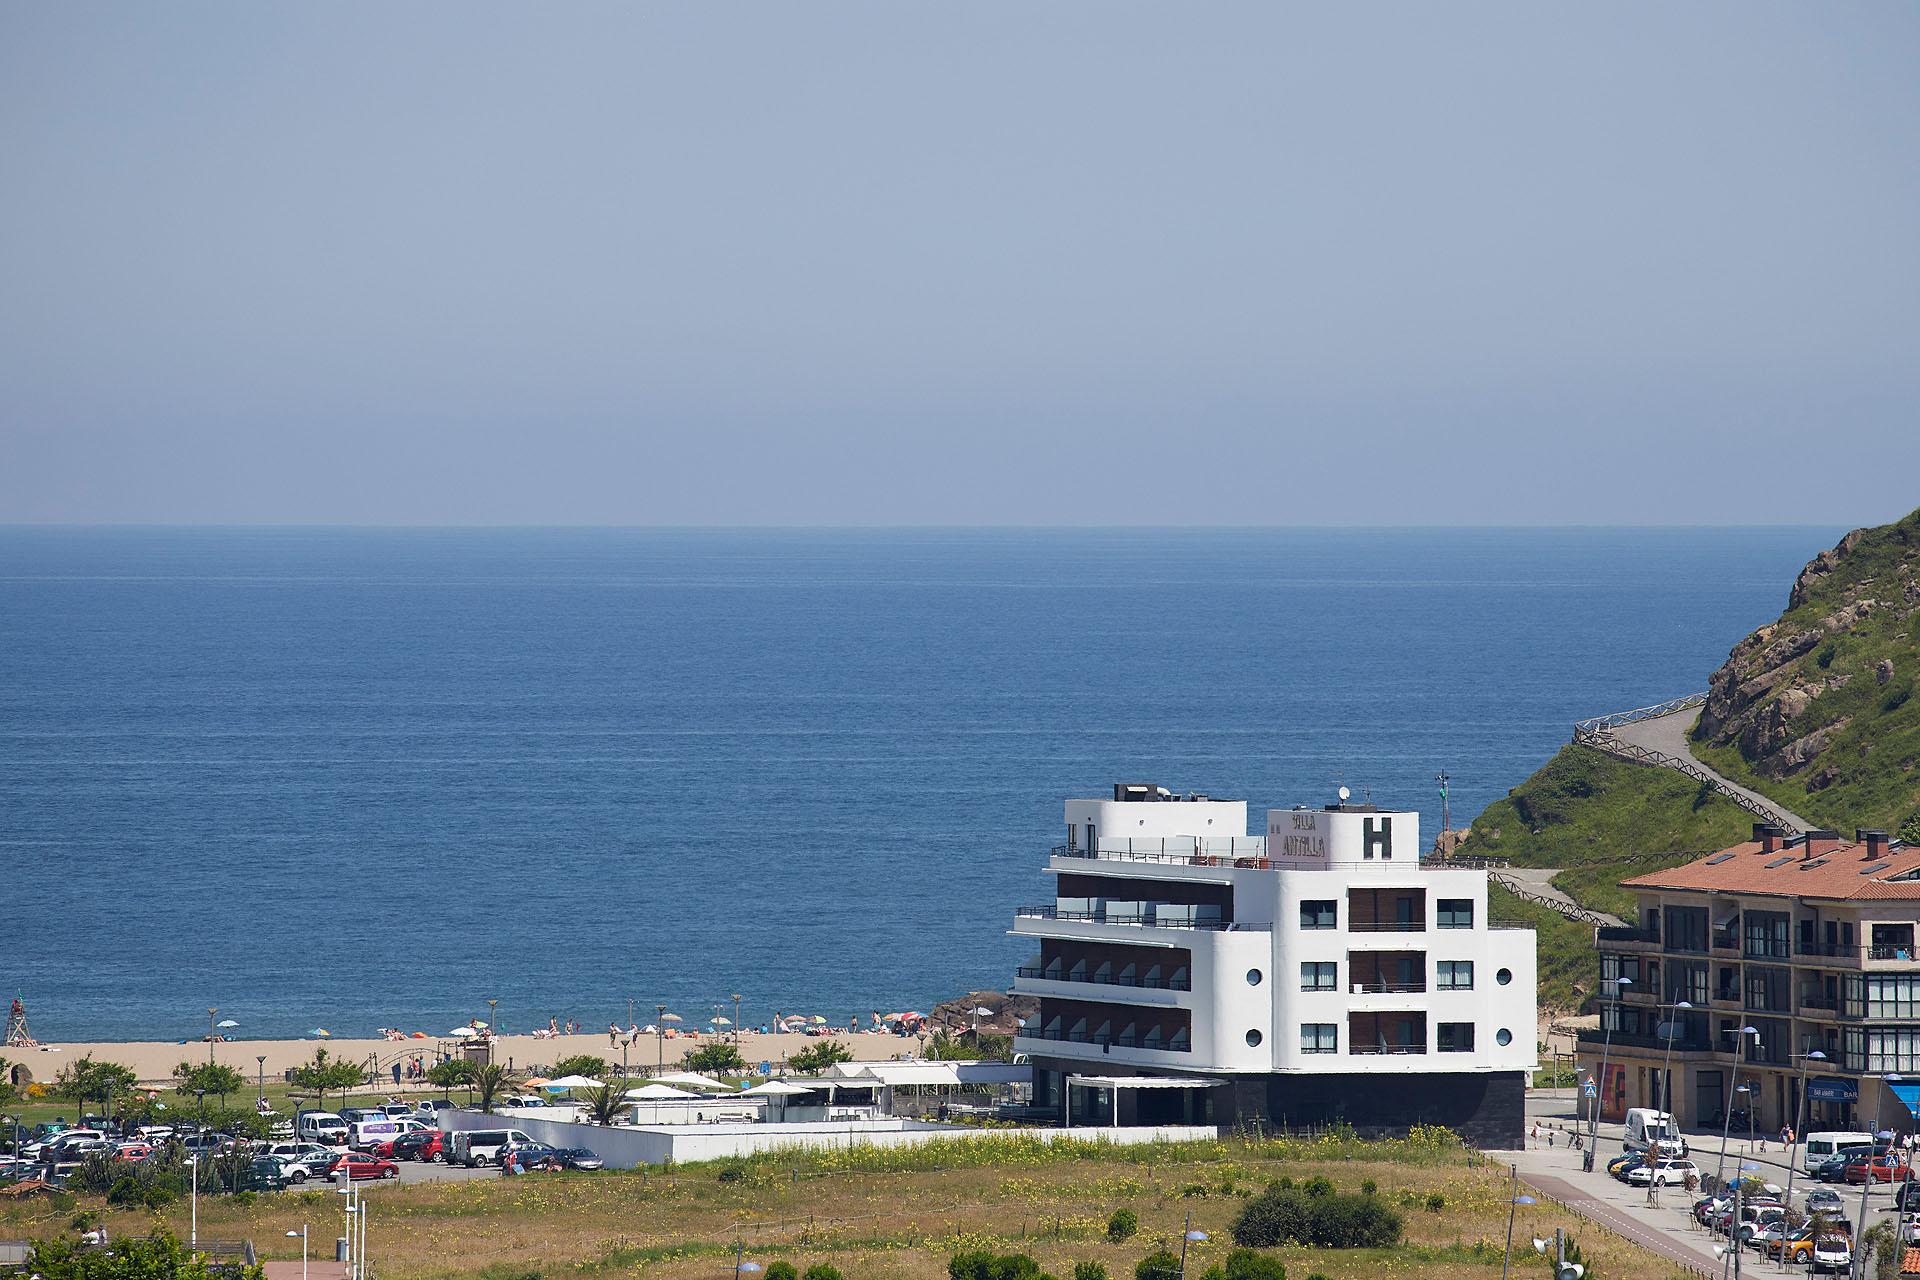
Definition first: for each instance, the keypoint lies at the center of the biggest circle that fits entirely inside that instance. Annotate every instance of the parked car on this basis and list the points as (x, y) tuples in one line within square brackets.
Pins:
[(399, 1110), (1832, 1252), (309, 1164), (476, 1147), (527, 1155), (360, 1167), (1668, 1173), (1826, 1200), (579, 1158), (132, 1152), (429, 1111), (1834, 1170), (1755, 1218), (1880, 1168), (262, 1174), (424, 1145), (1619, 1164)]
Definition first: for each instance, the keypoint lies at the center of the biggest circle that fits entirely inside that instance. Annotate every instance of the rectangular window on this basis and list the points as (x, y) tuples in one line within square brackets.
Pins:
[(1454, 913), (1318, 914), (1455, 975), (1853, 996), (1456, 1037), (1893, 1050), (1319, 975), (1893, 995), (1319, 1037)]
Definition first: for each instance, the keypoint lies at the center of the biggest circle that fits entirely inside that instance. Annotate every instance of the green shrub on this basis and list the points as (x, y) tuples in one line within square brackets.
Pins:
[(781, 1270), (1162, 1264), (1278, 1215), (821, 1271), (1317, 1186), (1122, 1225), (1369, 1187), (986, 1266), (1089, 1271), (1247, 1264), (1436, 1202)]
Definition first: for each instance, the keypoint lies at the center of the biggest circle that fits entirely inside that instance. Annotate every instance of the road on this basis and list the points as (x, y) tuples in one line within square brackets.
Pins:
[(1668, 735)]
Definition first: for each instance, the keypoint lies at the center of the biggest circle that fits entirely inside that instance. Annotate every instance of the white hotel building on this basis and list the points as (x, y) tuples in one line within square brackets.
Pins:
[(1321, 972)]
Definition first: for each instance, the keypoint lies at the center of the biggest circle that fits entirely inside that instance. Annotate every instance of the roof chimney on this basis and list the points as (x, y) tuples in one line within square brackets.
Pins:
[(1822, 842), (1768, 835), (1875, 842)]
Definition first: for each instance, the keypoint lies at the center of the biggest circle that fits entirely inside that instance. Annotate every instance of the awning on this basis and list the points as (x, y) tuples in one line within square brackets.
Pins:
[(1828, 1089), (1909, 1094), (1143, 1082)]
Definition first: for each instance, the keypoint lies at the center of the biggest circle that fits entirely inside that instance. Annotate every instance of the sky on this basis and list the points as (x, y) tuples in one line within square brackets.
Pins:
[(893, 263)]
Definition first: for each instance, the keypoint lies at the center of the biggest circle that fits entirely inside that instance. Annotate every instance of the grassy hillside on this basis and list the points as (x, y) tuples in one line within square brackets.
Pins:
[(1817, 710), (1602, 820)]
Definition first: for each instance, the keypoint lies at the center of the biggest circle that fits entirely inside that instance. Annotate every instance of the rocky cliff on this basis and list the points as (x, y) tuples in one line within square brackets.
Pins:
[(1817, 704)]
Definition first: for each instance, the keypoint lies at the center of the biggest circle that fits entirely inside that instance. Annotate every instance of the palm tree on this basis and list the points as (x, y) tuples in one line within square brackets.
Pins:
[(605, 1103), (490, 1080)]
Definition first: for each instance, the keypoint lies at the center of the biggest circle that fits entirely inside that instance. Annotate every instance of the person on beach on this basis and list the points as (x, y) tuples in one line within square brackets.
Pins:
[(613, 1036)]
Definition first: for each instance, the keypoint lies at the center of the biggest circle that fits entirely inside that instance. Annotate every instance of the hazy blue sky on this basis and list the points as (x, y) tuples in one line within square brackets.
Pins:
[(904, 263)]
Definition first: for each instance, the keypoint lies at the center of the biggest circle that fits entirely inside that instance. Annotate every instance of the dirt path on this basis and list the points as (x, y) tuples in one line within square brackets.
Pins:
[(1667, 735)]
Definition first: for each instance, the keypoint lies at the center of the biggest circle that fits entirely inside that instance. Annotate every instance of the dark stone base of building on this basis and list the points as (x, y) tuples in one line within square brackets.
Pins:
[(1488, 1110)]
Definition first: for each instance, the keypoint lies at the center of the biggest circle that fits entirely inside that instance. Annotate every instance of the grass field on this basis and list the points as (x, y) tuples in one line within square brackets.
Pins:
[(899, 1214)]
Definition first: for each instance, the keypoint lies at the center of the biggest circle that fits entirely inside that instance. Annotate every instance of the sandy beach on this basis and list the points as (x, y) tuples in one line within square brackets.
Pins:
[(153, 1060)]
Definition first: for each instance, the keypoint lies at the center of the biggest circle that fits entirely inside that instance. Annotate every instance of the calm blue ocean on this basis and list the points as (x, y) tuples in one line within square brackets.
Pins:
[(351, 778)]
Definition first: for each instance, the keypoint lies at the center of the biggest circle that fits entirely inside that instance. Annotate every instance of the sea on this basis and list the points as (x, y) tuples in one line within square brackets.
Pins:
[(359, 778)]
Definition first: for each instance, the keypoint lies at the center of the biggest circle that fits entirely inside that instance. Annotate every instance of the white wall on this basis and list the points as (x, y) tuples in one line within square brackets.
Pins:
[(625, 1147)]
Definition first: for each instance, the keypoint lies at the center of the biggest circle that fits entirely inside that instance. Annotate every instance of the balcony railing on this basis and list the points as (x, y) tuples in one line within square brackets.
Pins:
[(1108, 979), (1387, 926), (1771, 949), (1891, 951), (1376, 1049), (1244, 852), (1117, 1042), (1626, 933), (1045, 912), (1847, 950), (1389, 988)]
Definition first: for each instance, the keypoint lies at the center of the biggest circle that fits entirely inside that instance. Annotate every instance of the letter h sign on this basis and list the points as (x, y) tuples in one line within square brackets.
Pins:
[(1377, 834)]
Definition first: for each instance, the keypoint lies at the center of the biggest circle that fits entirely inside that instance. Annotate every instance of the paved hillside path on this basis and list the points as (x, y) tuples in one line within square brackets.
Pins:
[(1667, 735), (1536, 885)]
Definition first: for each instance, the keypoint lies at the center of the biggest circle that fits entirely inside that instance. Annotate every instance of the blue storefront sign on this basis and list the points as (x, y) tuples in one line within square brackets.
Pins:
[(1833, 1091)]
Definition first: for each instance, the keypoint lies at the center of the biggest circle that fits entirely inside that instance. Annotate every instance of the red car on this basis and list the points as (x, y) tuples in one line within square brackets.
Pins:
[(359, 1168), (1882, 1168)]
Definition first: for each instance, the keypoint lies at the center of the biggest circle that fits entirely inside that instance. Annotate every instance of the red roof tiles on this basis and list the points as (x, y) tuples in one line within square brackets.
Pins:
[(1841, 872)]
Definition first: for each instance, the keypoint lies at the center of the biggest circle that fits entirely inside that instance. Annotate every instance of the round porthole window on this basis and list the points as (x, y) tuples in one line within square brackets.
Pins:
[(1253, 1039), (1253, 977), (1503, 1037), (1503, 977)]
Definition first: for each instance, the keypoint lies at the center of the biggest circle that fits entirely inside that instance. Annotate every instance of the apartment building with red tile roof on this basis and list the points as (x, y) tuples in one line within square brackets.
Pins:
[(1773, 983)]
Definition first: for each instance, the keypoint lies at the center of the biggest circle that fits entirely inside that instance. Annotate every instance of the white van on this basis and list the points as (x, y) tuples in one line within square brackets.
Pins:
[(1646, 1126), (476, 1147), (322, 1126), (1822, 1147), (362, 1134)]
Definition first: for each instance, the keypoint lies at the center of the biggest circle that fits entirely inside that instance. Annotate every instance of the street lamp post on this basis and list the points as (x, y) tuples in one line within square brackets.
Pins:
[(1860, 1232), (1799, 1116), (302, 1233), (736, 1017), (1513, 1207), (660, 1037), (193, 1228), (261, 1083), (1600, 1084), (1189, 1236), (1672, 1126), (210, 1017), (1726, 1120), (493, 1017)]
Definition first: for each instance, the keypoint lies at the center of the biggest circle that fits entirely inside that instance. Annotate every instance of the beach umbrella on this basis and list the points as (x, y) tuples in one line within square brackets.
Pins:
[(650, 1029), (458, 1033), (671, 1017), (320, 1031), (777, 1089), (227, 1022), (534, 1082), (722, 1022), (893, 1017), (817, 1020), (657, 1092), (572, 1082), (478, 1023)]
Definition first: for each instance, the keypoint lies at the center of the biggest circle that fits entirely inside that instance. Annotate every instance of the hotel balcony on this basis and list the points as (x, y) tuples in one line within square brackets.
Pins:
[(1172, 992), (1053, 921), (1626, 938)]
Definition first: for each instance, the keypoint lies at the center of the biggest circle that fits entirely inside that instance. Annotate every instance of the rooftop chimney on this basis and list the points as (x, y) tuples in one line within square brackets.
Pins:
[(1769, 836), (1820, 843), (1875, 842)]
